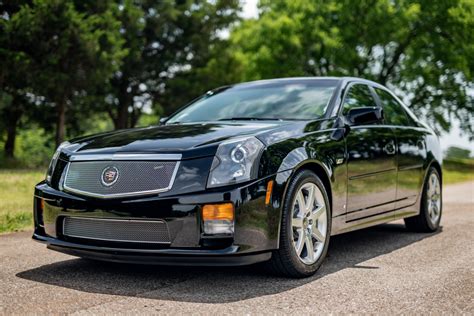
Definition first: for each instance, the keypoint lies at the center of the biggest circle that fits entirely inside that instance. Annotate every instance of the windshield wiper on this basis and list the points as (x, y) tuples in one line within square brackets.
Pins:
[(244, 118)]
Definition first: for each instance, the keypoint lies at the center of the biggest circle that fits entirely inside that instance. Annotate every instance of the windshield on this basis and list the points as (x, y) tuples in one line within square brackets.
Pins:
[(288, 100)]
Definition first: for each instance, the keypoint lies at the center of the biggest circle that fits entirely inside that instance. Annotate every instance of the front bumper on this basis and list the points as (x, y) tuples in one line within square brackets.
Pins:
[(217, 257), (256, 225)]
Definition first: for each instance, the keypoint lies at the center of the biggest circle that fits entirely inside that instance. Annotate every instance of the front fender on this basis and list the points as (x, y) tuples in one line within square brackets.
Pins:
[(318, 151)]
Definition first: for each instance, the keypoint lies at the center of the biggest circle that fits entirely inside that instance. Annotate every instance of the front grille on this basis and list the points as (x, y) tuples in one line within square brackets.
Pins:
[(133, 178), (139, 231)]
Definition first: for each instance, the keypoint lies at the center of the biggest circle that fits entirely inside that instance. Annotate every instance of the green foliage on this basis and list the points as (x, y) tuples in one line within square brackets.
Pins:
[(87, 66), (421, 49), (458, 170), (148, 120), (459, 164), (457, 152), (34, 148), (64, 51), (164, 39)]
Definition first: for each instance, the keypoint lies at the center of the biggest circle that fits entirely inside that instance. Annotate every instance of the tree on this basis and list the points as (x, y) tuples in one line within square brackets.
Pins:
[(164, 39), (457, 152), (14, 79), (67, 52), (422, 49)]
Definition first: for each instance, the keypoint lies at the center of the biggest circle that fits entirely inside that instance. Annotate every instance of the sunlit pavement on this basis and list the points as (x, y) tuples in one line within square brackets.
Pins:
[(381, 269)]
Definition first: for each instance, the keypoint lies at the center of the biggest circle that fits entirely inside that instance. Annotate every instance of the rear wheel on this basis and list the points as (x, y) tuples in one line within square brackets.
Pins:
[(305, 228), (431, 205)]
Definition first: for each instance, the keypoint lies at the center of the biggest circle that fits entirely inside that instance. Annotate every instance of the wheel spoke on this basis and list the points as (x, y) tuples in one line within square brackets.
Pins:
[(310, 199), (309, 248), (318, 212), (300, 242), (301, 203), (317, 235), (435, 208), (297, 222), (430, 189)]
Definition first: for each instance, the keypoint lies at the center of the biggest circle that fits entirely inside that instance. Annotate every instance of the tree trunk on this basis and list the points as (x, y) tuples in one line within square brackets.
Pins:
[(13, 115), (12, 122), (60, 121), (134, 117), (121, 120)]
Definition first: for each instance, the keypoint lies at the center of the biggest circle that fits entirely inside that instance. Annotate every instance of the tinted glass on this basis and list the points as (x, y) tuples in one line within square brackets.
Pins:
[(359, 96), (394, 114), (302, 99)]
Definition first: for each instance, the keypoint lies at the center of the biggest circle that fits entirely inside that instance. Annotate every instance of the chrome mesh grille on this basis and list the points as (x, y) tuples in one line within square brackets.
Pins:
[(140, 231), (134, 177)]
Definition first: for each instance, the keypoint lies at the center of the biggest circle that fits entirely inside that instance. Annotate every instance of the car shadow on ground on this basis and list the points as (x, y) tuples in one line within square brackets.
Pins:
[(217, 285)]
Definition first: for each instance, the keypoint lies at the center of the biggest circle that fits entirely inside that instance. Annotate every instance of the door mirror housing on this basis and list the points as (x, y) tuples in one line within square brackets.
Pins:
[(365, 115)]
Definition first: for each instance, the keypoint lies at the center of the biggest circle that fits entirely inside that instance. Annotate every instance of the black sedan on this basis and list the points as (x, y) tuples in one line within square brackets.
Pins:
[(264, 171)]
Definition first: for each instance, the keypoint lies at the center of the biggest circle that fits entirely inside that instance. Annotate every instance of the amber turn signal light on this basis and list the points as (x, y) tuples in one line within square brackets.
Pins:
[(41, 205), (218, 219), (268, 195), (224, 211)]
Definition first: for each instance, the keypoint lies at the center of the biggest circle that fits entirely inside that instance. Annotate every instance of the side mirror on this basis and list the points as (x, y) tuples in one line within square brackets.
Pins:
[(163, 120), (365, 115)]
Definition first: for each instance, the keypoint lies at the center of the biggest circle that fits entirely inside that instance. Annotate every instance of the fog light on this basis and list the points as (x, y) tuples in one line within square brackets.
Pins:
[(218, 218)]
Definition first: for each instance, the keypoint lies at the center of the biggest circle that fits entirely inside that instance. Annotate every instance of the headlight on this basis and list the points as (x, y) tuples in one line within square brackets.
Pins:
[(54, 161), (235, 162)]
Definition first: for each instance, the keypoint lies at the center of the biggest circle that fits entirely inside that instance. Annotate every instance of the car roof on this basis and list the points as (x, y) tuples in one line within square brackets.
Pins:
[(344, 80)]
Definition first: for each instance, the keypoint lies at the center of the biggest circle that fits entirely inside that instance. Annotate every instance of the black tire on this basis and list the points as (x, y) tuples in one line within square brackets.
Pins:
[(422, 222), (285, 261)]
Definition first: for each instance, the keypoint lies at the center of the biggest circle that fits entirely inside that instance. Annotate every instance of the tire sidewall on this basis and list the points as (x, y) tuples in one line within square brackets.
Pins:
[(298, 181), (424, 206)]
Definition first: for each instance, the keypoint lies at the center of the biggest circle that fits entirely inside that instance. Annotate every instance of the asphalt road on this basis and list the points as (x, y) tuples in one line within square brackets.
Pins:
[(378, 270)]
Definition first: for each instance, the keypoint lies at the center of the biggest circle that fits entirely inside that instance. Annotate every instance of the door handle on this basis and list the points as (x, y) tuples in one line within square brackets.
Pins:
[(389, 148)]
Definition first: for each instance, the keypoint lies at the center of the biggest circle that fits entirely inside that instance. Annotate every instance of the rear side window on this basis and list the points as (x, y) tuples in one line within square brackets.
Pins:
[(394, 113), (359, 96)]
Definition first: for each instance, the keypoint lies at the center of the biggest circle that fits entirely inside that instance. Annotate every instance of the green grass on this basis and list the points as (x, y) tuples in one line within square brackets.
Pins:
[(17, 185), (458, 170), (16, 198)]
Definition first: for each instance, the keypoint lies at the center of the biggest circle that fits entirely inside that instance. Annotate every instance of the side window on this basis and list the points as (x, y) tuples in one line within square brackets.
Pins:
[(393, 111), (359, 96)]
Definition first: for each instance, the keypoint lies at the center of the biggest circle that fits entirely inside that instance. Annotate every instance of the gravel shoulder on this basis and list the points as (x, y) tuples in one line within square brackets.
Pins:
[(383, 269)]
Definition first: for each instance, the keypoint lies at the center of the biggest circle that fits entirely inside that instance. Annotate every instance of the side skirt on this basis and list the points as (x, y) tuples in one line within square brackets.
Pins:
[(340, 224)]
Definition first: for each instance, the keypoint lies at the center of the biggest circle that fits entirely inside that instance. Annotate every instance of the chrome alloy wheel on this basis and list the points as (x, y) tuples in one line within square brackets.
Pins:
[(433, 198), (309, 223)]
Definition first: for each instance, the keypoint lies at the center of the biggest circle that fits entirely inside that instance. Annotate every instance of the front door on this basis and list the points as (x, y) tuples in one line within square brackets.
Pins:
[(371, 164)]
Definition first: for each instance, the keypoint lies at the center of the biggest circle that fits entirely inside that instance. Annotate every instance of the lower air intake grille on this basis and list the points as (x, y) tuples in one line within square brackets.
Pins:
[(139, 231)]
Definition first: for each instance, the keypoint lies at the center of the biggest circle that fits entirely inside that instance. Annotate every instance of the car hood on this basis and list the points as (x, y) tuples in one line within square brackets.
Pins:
[(190, 140)]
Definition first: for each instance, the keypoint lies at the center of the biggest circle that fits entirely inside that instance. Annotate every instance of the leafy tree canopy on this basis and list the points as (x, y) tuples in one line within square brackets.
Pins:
[(457, 152), (422, 49), (163, 39), (66, 50)]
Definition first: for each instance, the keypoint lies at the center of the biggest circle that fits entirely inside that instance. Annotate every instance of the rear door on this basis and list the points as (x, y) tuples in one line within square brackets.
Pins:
[(411, 148), (371, 163)]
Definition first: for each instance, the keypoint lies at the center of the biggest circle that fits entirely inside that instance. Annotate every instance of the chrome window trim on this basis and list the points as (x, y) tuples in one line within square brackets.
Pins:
[(120, 220), (119, 195), (125, 157)]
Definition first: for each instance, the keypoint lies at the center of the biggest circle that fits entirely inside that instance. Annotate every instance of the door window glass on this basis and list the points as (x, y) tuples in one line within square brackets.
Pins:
[(394, 114), (359, 96)]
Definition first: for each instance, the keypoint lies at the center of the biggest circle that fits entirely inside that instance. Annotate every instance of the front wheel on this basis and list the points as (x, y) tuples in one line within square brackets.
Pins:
[(305, 228), (431, 205)]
